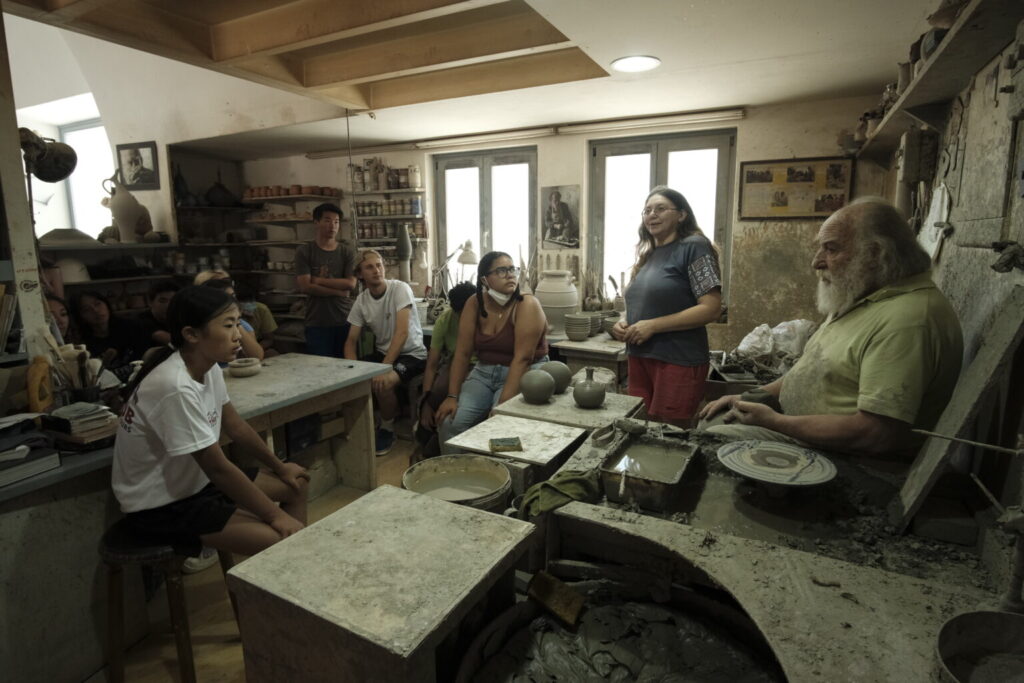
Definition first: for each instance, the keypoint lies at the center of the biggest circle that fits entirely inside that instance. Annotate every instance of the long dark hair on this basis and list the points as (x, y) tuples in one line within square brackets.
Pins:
[(194, 306), (76, 305), (684, 229), (481, 272)]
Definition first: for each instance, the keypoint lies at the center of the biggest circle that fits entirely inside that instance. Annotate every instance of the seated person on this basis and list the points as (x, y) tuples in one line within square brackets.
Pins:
[(169, 474), (386, 308), (260, 318), (435, 377), (505, 330), (100, 330), (154, 320), (885, 360), (59, 312), (250, 347)]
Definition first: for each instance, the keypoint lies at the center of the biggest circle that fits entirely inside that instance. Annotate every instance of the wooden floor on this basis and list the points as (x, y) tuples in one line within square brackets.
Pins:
[(216, 646)]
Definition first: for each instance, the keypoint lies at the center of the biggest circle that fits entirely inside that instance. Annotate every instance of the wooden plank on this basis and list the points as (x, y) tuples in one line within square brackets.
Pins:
[(305, 23), (354, 454), (992, 360), (325, 402), (548, 68)]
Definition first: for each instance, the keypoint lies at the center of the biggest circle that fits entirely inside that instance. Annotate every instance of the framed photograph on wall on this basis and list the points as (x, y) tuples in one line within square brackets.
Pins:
[(794, 188), (560, 212), (137, 163)]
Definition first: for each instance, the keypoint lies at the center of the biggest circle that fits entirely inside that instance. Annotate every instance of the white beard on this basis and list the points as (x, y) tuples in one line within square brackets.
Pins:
[(845, 287)]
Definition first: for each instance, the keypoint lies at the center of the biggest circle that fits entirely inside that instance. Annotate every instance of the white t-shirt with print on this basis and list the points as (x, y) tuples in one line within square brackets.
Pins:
[(379, 315), (170, 417)]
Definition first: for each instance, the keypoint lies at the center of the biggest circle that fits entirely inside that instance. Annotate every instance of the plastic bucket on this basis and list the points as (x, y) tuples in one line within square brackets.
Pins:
[(472, 480)]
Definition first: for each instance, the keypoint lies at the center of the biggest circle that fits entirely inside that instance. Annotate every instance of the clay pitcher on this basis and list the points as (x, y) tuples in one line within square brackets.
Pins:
[(537, 386), (128, 214), (589, 393)]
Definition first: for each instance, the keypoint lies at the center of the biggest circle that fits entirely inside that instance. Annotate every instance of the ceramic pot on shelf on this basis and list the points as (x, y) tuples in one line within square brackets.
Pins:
[(558, 296)]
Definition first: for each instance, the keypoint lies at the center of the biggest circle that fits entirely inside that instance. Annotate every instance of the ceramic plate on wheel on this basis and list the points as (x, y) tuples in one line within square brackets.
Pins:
[(777, 463)]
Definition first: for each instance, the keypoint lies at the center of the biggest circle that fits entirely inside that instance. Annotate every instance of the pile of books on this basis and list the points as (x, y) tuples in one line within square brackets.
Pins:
[(24, 451), (81, 424)]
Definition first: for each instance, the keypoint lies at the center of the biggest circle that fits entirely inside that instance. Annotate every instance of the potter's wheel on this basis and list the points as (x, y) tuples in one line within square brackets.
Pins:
[(777, 463)]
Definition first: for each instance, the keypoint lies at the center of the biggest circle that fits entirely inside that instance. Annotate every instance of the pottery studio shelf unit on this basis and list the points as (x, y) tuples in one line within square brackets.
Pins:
[(90, 253), (982, 30)]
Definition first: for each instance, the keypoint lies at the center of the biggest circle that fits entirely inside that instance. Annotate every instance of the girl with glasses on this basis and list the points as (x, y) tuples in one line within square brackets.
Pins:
[(505, 330), (675, 291)]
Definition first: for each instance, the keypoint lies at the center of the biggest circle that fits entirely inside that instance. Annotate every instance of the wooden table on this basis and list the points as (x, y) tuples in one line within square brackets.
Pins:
[(562, 409), (600, 351), (294, 385)]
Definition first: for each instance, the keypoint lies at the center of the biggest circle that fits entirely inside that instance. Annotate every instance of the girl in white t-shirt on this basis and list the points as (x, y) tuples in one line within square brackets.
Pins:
[(169, 474)]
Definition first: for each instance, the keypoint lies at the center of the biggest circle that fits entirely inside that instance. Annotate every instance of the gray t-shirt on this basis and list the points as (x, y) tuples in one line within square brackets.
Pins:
[(674, 277), (379, 315), (326, 311)]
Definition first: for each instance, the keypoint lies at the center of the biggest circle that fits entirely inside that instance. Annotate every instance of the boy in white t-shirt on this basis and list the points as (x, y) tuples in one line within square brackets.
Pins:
[(169, 474), (386, 308)]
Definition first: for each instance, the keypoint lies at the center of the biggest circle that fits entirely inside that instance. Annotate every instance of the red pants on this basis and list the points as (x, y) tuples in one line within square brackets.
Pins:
[(669, 391)]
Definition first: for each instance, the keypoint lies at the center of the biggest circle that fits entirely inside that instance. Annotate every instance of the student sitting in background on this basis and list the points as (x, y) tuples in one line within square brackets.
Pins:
[(260, 319), (169, 474), (386, 308), (154, 320), (99, 330), (250, 347), (435, 377), (59, 312)]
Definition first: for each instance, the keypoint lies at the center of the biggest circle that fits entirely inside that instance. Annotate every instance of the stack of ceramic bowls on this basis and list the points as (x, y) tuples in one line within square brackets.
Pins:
[(577, 326), (595, 322), (609, 320)]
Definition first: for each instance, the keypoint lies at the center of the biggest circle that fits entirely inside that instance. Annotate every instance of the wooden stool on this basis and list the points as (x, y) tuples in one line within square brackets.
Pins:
[(122, 546)]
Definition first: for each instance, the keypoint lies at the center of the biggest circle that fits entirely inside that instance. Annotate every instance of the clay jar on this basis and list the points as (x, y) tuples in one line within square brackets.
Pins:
[(560, 372), (558, 296), (537, 386), (588, 393)]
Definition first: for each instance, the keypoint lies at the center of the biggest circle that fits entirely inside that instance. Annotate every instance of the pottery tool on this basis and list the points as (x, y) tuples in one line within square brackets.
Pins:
[(505, 444), (614, 285), (979, 444), (556, 597)]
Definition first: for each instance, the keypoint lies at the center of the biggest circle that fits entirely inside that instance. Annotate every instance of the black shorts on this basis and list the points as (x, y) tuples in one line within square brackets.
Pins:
[(182, 522), (407, 367)]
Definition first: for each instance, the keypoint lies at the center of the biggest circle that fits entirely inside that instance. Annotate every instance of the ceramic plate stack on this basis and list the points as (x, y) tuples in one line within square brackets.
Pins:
[(577, 326)]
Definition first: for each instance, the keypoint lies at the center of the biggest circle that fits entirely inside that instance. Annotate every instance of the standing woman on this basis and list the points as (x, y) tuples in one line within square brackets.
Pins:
[(506, 331), (676, 290), (170, 475)]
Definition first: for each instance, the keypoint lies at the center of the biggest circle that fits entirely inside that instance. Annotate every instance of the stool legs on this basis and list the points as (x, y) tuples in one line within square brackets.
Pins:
[(115, 622), (179, 620), (227, 561)]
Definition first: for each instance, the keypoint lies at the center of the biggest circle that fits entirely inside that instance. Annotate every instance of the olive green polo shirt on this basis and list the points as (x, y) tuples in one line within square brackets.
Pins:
[(896, 353)]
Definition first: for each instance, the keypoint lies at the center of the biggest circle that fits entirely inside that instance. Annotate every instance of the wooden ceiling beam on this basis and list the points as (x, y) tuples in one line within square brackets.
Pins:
[(511, 74), (146, 24), (70, 10), (306, 23), (434, 45)]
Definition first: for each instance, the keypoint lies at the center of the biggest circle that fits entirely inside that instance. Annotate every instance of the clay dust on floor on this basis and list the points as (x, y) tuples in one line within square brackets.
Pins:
[(216, 646)]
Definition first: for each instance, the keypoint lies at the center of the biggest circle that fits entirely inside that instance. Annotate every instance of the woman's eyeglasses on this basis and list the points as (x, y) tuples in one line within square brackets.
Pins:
[(656, 210), (505, 271)]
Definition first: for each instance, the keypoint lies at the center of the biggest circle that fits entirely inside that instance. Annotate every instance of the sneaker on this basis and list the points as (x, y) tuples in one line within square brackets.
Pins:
[(385, 440), (206, 559)]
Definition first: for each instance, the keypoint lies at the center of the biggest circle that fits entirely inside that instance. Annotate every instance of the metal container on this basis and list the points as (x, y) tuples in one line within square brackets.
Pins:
[(981, 646), (472, 480), (653, 470)]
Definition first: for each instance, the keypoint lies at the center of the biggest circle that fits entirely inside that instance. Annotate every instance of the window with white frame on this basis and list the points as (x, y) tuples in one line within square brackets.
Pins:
[(84, 185), (623, 172), (485, 198)]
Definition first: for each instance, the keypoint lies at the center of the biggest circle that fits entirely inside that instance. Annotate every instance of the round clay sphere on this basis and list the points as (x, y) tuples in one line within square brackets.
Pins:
[(560, 372), (537, 386)]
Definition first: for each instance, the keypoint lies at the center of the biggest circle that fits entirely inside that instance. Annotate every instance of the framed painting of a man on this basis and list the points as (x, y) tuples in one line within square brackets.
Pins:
[(137, 163), (560, 210)]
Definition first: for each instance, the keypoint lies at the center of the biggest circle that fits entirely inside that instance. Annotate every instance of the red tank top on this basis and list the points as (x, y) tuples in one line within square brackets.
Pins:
[(499, 349)]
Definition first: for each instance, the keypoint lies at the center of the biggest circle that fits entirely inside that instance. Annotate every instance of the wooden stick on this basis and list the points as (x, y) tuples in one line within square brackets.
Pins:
[(988, 494), (999, 449)]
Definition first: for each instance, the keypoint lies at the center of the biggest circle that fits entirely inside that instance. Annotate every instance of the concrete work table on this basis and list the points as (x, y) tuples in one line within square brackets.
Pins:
[(600, 351), (562, 409), (542, 441), (825, 619), (368, 593), (294, 385)]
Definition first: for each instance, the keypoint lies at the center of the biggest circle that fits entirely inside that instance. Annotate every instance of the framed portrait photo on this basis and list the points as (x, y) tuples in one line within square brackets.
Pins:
[(794, 188), (137, 164)]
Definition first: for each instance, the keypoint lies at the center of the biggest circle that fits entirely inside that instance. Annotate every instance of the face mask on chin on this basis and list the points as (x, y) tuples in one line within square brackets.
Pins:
[(499, 298)]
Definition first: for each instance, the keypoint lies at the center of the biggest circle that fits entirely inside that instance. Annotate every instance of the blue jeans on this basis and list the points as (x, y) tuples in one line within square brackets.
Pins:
[(327, 341), (480, 393)]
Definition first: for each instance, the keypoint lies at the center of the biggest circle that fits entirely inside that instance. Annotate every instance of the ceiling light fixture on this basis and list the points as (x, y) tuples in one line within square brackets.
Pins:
[(636, 63), (716, 116)]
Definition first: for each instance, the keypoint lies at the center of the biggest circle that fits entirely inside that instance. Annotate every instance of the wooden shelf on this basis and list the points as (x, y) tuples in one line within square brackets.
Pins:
[(392, 217), (292, 197), (275, 243), (211, 208), (140, 246), (264, 221), (134, 278), (983, 29), (404, 190)]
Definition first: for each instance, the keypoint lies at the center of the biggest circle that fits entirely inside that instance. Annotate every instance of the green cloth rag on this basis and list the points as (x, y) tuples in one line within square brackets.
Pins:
[(562, 488)]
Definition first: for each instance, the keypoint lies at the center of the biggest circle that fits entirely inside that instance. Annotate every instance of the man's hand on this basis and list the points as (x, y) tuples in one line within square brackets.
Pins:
[(388, 380), (619, 330), (285, 524), (447, 409), (751, 413), (290, 473), (717, 406), (640, 331)]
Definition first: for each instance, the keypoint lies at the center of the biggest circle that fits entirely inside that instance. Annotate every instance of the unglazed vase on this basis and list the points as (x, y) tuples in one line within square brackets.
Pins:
[(589, 393), (558, 296)]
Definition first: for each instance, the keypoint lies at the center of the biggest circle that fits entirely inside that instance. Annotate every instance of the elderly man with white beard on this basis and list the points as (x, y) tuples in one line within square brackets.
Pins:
[(885, 360)]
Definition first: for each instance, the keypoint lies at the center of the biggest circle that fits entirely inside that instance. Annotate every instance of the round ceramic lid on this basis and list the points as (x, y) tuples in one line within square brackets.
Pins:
[(777, 463)]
